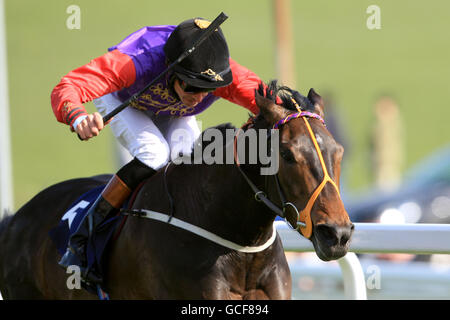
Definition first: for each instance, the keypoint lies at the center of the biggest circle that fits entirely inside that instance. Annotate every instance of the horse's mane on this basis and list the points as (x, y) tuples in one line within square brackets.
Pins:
[(272, 90)]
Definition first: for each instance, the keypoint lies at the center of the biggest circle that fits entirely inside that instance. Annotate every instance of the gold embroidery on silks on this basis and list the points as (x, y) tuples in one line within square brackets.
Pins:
[(136, 105), (162, 92), (168, 103)]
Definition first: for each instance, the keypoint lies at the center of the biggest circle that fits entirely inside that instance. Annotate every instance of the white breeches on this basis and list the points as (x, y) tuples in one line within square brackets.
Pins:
[(153, 140)]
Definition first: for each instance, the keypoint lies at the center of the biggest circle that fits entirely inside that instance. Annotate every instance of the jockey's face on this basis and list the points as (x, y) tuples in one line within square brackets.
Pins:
[(189, 99)]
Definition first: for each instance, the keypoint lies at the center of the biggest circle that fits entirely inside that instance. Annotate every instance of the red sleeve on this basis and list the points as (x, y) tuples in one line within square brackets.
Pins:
[(105, 74), (242, 90)]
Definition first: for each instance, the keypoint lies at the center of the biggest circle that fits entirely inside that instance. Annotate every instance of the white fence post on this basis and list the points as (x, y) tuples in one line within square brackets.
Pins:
[(353, 274), (6, 191)]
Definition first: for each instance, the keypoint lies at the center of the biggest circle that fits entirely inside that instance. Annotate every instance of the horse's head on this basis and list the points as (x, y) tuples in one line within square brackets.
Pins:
[(309, 169)]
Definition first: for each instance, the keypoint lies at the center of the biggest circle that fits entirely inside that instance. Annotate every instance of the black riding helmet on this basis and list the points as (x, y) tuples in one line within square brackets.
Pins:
[(208, 66)]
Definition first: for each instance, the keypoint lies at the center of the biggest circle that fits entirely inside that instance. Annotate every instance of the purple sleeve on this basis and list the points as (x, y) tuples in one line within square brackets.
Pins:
[(145, 48)]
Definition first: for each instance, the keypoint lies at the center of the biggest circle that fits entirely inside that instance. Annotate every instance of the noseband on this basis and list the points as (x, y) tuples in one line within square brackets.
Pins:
[(304, 223)]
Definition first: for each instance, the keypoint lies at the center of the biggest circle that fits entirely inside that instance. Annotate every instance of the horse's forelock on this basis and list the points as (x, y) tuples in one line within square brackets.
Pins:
[(274, 90), (286, 94)]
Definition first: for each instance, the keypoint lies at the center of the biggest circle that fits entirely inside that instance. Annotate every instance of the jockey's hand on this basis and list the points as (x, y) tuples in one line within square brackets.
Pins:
[(90, 126)]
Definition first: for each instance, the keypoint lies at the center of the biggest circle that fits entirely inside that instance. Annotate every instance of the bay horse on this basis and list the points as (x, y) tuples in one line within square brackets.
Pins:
[(155, 260)]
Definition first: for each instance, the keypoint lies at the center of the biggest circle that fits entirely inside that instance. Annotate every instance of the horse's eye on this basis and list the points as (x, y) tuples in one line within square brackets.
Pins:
[(287, 155)]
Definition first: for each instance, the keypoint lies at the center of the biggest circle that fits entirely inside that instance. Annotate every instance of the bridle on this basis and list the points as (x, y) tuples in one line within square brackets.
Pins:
[(304, 223)]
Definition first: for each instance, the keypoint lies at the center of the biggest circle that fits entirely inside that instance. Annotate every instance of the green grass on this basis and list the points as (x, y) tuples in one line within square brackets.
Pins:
[(334, 52)]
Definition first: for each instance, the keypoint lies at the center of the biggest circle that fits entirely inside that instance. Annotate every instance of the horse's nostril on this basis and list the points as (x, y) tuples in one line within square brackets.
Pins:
[(335, 235), (345, 234), (344, 239), (328, 234)]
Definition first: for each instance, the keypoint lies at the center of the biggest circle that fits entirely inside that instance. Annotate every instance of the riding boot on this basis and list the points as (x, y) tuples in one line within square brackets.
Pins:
[(111, 199)]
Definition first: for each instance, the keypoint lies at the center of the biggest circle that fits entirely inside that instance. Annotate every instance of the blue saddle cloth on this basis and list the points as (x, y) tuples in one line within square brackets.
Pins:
[(99, 240)]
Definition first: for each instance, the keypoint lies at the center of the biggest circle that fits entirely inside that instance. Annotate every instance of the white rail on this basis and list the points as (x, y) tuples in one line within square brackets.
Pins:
[(376, 238)]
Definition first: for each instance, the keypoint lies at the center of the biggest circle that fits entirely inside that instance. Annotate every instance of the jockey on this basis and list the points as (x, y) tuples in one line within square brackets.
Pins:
[(145, 128)]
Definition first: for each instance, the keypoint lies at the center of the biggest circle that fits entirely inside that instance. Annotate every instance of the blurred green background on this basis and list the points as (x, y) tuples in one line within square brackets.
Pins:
[(335, 52)]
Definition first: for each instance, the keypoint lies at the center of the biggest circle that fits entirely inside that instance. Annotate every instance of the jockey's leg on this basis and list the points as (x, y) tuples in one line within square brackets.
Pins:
[(107, 204), (140, 136), (181, 134)]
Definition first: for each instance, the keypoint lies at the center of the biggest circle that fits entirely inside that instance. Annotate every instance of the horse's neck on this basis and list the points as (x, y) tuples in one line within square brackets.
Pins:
[(217, 198)]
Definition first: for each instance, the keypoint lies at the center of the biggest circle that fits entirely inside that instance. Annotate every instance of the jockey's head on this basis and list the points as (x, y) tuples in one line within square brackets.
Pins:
[(205, 69)]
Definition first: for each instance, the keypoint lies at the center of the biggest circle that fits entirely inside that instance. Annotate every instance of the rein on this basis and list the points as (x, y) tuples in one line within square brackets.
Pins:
[(153, 215), (304, 223)]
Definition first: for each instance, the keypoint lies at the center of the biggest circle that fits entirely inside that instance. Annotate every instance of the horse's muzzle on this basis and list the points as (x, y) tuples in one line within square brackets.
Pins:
[(331, 242)]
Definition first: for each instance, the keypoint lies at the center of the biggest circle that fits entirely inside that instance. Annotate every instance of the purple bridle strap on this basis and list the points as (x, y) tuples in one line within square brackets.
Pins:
[(298, 115)]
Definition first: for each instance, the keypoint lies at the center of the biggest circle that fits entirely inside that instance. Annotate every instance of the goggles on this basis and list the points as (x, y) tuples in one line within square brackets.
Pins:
[(191, 89)]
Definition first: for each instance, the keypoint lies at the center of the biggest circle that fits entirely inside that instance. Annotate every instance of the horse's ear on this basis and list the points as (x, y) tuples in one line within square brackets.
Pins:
[(270, 110), (317, 100)]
